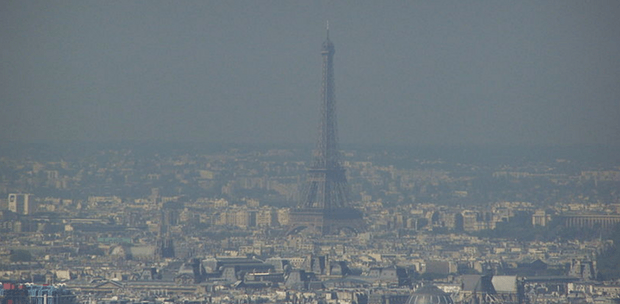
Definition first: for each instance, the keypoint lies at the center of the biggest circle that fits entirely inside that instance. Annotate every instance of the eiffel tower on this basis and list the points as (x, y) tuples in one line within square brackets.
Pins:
[(323, 208)]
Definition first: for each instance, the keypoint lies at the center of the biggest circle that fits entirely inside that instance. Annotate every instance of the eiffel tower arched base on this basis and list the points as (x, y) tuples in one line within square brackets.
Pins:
[(325, 222)]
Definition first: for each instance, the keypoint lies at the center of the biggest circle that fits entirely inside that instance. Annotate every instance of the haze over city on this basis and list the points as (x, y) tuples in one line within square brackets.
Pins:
[(158, 152), (428, 72)]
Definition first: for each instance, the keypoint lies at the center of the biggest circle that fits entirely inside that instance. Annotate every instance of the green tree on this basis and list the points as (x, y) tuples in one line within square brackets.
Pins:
[(20, 255), (608, 261)]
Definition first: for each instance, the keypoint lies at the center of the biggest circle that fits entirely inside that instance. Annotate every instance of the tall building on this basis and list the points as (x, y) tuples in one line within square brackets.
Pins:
[(21, 203), (324, 207)]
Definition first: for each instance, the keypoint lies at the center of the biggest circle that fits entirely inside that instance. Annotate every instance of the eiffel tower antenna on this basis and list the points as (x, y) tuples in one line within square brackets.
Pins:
[(327, 27)]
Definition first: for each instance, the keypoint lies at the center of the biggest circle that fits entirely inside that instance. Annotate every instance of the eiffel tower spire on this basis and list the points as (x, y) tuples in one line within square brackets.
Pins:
[(327, 148)]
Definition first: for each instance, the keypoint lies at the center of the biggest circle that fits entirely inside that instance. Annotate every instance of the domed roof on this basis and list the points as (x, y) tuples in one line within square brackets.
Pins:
[(429, 294)]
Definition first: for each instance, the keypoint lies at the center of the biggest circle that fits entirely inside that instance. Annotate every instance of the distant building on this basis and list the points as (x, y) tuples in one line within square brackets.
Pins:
[(441, 267), (539, 218), (583, 269), (472, 221), (388, 298), (266, 218), (245, 218), (30, 293), (21, 203), (490, 289), (605, 221), (283, 216), (232, 269), (391, 276)]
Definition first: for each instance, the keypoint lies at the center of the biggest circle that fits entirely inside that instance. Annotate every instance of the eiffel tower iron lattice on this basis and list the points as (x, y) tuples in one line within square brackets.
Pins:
[(324, 207)]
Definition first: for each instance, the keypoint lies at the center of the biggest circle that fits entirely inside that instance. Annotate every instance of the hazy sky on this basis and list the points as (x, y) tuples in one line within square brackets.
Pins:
[(407, 72)]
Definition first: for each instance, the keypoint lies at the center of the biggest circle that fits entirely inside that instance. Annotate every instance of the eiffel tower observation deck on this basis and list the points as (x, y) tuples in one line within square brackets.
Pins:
[(324, 206)]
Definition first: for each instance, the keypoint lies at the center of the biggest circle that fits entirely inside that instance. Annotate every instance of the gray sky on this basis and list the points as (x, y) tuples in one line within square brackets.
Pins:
[(407, 72)]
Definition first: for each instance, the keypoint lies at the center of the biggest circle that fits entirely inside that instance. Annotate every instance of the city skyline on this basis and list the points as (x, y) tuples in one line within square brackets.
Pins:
[(414, 73)]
